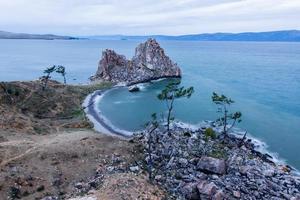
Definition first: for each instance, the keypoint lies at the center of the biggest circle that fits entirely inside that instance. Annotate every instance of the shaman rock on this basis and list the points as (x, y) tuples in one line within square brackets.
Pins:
[(149, 63)]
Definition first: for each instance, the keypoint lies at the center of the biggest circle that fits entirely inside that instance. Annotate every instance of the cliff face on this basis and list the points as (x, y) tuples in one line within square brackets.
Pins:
[(149, 63)]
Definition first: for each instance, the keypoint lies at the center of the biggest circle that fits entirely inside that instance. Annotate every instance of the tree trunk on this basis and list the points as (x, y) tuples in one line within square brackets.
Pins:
[(242, 140), (45, 83), (225, 121), (149, 151), (169, 115)]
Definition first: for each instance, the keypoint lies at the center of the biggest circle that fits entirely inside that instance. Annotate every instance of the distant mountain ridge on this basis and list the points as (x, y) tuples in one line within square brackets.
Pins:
[(280, 36), (10, 35), (272, 36)]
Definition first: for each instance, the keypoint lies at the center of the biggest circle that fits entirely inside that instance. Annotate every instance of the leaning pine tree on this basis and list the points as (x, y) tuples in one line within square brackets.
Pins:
[(227, 119), (171, 92), (48, 72), (62, 70)]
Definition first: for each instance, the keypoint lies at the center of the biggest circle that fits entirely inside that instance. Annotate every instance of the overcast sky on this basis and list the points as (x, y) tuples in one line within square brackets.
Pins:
[(144, 17)]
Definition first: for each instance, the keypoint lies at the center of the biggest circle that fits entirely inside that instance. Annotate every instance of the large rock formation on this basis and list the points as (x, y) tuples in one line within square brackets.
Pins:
[(148, 63)]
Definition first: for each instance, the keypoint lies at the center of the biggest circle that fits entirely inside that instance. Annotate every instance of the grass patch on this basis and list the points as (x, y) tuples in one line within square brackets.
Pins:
[(218, 151)]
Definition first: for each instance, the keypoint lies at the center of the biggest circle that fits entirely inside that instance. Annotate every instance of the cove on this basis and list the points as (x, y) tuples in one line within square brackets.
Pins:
[(263, 86)]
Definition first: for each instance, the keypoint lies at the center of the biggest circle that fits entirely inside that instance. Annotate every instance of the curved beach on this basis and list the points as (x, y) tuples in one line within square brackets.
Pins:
[(101, 124)]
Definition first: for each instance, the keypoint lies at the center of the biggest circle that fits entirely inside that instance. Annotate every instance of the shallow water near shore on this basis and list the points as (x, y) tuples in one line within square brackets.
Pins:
[(262, 77)]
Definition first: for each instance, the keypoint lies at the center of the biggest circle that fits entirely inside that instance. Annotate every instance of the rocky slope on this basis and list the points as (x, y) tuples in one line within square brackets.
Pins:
[(193, 165), (149, 63), (25, 107)]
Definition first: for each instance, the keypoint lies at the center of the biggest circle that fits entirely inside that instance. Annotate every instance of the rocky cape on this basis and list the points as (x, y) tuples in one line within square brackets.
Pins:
[(149, 63)]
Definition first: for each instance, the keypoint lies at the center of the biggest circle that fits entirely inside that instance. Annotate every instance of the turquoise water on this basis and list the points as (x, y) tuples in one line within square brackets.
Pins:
[(263, 78)]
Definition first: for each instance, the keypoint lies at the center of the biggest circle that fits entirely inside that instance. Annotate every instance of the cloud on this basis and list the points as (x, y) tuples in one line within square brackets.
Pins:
[(141, 17)]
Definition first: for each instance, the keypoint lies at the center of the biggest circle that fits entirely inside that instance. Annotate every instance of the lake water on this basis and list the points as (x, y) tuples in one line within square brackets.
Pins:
[(262, 77)]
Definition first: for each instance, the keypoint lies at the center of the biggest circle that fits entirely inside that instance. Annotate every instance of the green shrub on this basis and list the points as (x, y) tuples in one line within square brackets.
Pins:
[(210, 133)]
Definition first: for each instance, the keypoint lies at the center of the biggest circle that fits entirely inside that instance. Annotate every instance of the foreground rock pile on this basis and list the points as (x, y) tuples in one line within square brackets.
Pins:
[(149, 63), (191, 165)]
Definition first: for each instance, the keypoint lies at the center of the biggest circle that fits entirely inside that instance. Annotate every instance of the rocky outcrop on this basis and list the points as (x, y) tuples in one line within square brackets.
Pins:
[(149, 63)]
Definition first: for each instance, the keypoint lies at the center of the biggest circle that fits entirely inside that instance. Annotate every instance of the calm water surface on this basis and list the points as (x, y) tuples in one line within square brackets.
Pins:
[(263, 78)]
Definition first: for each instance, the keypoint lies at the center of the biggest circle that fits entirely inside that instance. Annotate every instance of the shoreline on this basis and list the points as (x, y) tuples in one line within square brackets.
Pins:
[(259, 146), (150, 80), (102, 125), (94, 115)]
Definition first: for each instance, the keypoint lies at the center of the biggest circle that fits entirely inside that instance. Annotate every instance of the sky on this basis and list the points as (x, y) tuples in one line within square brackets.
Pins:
[(146, 17)]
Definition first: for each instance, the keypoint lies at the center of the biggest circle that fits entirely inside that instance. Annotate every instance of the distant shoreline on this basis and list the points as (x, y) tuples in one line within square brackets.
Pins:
[(21, 36), (270, 36), (36, 39)]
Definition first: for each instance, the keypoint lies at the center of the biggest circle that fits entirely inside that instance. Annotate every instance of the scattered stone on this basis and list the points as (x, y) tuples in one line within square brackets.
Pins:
[(134, 168), (56, 182), (192, 167), (50, 198), (219, 195), (79, 185), (157, 177), (190, 191), (110, 168), (244, 169), (269, 173), (40, 188), (183, 162), (14, 192)]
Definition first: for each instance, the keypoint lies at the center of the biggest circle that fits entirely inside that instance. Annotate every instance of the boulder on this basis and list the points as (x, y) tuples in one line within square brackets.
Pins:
[(219, 195), (212, 165), (206, 188), (149, 63), (133, 88), (237, 194), (190, 191)]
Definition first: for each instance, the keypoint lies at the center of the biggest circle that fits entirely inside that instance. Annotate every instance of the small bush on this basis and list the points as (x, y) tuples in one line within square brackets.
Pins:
[(218, 153), (210, 133), (79, 112)]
